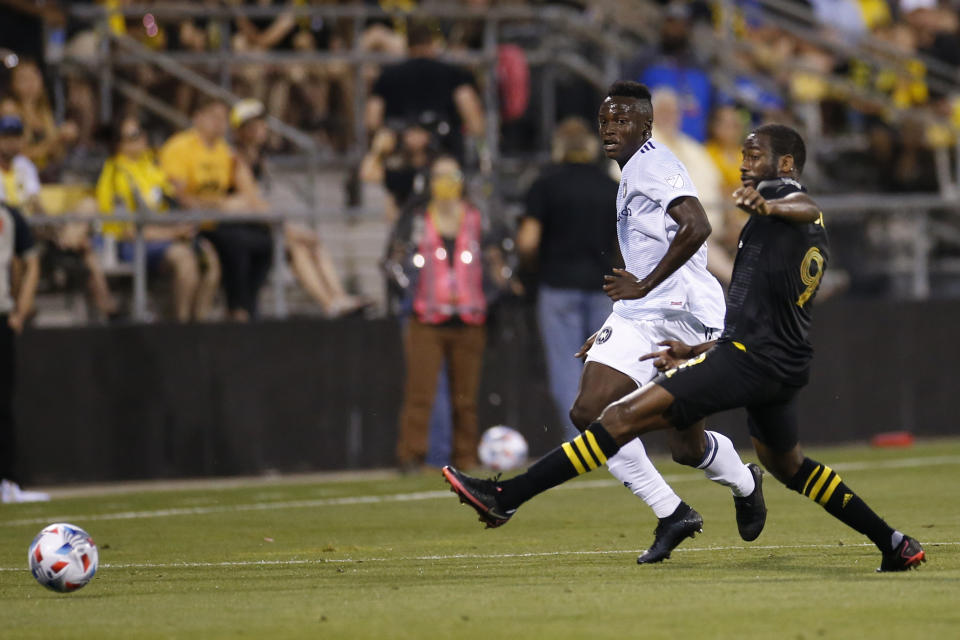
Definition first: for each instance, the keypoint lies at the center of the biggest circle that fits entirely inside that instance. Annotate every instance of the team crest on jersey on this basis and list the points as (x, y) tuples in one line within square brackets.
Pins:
[(604, 335), (675, 181)]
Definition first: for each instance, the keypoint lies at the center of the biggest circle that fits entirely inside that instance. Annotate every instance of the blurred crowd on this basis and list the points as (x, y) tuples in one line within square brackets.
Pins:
[(881, 113)]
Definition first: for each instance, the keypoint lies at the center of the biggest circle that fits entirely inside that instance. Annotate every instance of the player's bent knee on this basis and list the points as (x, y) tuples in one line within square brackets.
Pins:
[(617, 419), (582, 416)]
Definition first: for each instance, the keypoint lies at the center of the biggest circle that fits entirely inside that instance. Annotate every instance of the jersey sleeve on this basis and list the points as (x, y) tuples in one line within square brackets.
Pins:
[(22, 234), (463, 78), (663, 181), (536, 201), (779, 188)]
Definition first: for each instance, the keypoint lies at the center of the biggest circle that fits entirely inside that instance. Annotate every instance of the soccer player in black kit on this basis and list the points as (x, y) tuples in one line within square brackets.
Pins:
[(760, 362)]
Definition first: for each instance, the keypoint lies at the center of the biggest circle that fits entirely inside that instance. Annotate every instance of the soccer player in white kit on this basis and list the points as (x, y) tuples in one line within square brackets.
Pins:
[(665, 293)]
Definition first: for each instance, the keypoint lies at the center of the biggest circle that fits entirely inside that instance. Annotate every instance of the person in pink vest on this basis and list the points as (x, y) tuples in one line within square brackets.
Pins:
[(442, 251)]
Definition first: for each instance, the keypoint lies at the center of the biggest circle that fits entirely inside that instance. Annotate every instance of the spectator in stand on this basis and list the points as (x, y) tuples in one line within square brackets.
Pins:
[(706, 177), (19, 180), (16, 303), (131, 181), (45, 143), (726, 135), (400, 161), (426, 90), (442, 248), (197, 34), (315, 96), (207, 175), (675, 66), (569, 237), (20, 187), (310, 261)]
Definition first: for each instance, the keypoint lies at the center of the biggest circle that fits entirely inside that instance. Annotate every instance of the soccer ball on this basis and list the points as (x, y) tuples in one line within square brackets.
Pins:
[(502, 448), (63, 557)]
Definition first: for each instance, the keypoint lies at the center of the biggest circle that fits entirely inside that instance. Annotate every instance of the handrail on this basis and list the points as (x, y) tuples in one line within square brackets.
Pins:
[(193, 10), (175, 68), (865, 42)]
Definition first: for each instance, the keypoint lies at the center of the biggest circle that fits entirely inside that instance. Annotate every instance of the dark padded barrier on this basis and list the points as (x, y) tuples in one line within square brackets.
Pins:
[(173, 401)]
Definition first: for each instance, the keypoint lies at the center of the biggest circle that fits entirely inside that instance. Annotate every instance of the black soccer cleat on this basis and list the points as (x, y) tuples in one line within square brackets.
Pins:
[(908, 554), (751, 509), (479, 494), (670, 532)]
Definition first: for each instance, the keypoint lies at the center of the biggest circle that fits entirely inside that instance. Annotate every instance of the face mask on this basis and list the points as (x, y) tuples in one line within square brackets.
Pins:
[(446, 189)]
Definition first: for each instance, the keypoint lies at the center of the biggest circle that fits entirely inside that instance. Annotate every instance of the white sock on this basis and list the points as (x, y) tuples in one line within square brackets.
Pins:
[(722, 464), (633, 468)]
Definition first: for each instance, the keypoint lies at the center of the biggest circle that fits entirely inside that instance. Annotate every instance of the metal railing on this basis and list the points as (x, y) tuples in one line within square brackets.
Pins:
[(919, 230), (141, 220)]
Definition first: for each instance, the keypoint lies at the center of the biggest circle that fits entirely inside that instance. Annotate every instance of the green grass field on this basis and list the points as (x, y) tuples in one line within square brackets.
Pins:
[(384, 556)]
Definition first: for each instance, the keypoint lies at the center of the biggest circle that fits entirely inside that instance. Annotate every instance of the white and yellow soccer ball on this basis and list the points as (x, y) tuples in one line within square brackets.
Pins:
[(502, 448), (63, 557)]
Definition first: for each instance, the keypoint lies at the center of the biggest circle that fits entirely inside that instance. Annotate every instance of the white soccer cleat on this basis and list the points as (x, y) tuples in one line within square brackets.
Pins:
[(10, 492)]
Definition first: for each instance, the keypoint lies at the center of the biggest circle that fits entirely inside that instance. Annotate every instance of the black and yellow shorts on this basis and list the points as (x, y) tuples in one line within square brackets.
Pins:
[(727, 377)]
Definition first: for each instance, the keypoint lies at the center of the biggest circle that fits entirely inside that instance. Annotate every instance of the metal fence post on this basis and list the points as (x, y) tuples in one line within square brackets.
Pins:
[(105, 65), (279, 264), (223, 26), (920, 288), (139, 275)]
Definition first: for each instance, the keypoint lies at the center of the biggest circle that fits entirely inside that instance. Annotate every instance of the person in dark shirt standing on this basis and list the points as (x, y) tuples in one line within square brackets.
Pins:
[(760, 362), (427, 91), (569, 237), (16, 303)]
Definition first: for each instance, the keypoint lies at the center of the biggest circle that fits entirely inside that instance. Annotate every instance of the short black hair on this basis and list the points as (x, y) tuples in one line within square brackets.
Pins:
[(629, 89), (419, 33), (784, 141)]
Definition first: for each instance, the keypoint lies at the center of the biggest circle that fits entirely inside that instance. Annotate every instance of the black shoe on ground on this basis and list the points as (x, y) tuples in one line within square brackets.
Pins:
[(751, 509), (670, 532), (907, 555), (479, 494)]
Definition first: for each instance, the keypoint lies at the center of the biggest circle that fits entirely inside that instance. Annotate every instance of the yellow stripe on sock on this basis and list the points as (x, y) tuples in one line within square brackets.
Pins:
[(823, 478), (595, 447), (829, 490), (582, 446), (574, 459), (739, 345), (810, 479)]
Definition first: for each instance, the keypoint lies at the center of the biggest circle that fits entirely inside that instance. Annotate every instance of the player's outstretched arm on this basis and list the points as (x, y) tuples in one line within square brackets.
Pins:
[(693, 231), (797, 207)]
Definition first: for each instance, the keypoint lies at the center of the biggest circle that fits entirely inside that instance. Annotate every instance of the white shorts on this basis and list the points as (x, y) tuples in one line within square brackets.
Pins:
[(622, 342)]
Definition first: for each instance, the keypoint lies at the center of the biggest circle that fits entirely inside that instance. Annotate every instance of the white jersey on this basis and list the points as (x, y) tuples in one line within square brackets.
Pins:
[(651, 180)]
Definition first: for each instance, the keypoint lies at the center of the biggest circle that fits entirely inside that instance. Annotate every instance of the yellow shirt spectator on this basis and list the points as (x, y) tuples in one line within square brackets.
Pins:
[(204, 170), (727, 162), (137, 184)]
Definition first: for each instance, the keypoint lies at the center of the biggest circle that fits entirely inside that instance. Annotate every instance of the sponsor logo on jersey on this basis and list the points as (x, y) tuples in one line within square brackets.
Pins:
[(604, 335)]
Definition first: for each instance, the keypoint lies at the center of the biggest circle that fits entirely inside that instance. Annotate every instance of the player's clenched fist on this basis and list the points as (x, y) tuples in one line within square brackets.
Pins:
[(750, 200), (623, 285)]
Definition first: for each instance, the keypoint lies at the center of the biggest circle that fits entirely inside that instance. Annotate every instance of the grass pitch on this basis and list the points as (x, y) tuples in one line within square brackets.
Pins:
[(384, 556)]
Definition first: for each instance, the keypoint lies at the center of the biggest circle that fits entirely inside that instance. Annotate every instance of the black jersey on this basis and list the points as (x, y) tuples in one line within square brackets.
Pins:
[(776, 274)]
